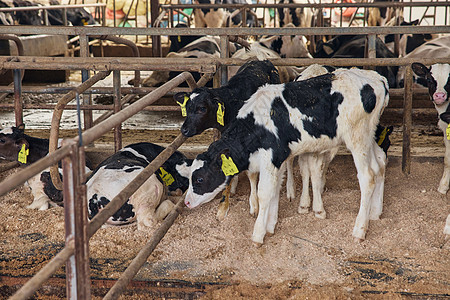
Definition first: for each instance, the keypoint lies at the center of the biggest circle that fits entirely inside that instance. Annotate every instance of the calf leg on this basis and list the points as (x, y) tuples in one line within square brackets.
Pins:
[(253, 200), (40, 200), (316, 165), (274, 202), (267, 188), (379, 164), (290, 182), (444, 184), (224, 204), (305, 200), (367, 184)]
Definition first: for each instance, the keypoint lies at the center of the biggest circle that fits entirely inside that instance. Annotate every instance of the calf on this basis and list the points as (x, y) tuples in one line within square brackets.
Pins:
[(355, 47), (437, 78), (314, 166), (380, 16), (15, 145), (285, 120), (203, 105), (204, 47), (300, 17), (147, 204), (218, 17), (439, 47)]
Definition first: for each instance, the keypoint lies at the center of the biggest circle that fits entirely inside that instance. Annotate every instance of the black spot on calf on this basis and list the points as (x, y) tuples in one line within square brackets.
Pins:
[(368, 98)]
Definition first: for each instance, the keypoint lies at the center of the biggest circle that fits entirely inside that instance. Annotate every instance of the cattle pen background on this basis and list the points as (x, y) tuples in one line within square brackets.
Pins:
[(405, 255)]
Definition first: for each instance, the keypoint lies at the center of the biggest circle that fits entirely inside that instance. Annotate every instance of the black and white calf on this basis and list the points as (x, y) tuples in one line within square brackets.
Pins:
[(285, 120), (437, 78), (204, 47), (147, 204), (15, 145), (203, 106)]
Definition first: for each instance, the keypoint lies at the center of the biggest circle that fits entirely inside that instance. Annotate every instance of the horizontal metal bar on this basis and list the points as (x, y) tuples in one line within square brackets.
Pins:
[(97, 30), (305, 5), (92, 90), (107, 63), (92, 107), (50, 7)]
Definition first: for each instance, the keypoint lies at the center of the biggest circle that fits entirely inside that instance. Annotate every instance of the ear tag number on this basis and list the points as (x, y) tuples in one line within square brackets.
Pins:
[(166, 177), (23, 154), (447, 131), (382, 136), (220, 114), (228, 166), (183, 106)]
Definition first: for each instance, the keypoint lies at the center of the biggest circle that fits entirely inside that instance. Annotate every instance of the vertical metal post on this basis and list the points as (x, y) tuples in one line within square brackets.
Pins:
[(223, 70), (372, 50), (407, 120), (18, 105), (64, 16), (156, 39), (87, 99), (117, 107), (75, 218)]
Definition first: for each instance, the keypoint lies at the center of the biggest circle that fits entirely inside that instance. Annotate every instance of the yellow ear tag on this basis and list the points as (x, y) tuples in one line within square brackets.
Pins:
[(183, 106), (23, 154), (166, 177), (382, 137), (179, 39), (220, 114), (228, 166), (447, 131)]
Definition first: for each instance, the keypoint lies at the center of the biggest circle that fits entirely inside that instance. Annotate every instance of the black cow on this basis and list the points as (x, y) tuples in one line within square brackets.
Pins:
[(353, 46)]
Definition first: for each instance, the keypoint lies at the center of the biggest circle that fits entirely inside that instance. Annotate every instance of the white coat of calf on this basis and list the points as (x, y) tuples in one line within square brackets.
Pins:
[(147, 205), (286, 120), (437, 78), (447, 225)]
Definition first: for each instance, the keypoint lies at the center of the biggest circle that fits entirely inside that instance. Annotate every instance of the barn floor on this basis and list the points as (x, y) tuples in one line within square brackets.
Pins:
[(405, 254)]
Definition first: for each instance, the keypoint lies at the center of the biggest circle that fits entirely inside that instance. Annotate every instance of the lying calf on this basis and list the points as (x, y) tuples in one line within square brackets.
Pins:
[(15, 145), (147, 205)]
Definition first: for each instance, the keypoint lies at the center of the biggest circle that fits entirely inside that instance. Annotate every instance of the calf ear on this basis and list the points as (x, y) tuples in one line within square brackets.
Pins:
[(420, 69), (21, 127), (184, 170), (179, 97)]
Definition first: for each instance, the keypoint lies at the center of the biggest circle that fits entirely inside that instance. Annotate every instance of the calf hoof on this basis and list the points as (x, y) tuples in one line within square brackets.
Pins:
[(257, 245), (359, 234), (320, 214), (443, 190), (222, 213), (303, 210), (358, 240)]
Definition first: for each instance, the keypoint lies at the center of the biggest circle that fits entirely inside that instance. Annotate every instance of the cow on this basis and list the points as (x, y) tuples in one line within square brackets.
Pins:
[(147, 205), (177, 42), (219, 17), (31, 17), (204, 47), (300, 17), (380, 16), (314, 166), (75, 16), (15, 145), (203, 104), (285, 120), (354, 46), (437, 78), (436, 48)]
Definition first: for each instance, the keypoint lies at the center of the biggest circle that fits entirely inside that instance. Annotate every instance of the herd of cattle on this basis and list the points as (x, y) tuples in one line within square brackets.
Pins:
[(267, 116), (264, 125)]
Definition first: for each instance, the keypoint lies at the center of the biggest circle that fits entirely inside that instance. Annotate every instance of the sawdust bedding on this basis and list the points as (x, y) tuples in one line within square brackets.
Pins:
[(405, 252)]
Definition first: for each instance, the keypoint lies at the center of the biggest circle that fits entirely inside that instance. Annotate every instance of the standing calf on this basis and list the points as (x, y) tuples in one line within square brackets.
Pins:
[(285, 120)]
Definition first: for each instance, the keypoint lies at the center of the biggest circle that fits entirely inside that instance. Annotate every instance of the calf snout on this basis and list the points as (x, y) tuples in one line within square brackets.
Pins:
[(439, 98)]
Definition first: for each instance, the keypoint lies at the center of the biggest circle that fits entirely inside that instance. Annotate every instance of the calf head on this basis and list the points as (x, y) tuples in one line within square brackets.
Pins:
[(11, 141), (201, 111), (437, 80), (206, 178)]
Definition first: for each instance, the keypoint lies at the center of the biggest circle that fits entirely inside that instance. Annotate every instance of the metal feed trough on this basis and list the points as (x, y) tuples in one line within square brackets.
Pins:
[(78, 230)]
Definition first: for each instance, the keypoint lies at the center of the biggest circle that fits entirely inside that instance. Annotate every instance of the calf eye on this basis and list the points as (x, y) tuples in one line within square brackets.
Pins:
[(201, 109), (199, 180), (2, 141)]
